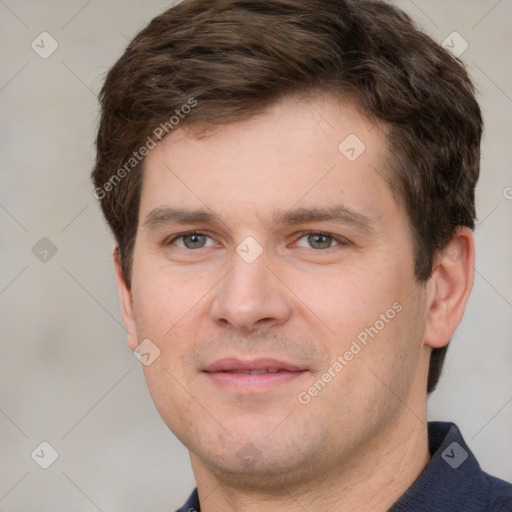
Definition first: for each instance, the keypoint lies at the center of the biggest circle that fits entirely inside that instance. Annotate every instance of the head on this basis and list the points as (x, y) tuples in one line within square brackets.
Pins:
[(325, 154)]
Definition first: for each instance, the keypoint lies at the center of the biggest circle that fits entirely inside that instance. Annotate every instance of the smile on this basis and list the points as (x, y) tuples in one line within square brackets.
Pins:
[(252, 376)]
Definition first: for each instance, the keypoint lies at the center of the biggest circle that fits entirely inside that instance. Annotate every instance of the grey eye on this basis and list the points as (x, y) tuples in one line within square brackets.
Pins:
[(317, 241), (192, 241)]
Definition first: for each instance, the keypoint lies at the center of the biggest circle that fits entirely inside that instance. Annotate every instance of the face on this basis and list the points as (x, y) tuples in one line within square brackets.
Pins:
[(273, 269)]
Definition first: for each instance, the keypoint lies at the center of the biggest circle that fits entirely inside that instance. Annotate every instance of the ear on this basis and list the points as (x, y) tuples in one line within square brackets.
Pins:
[(126, 301), (449, 288)]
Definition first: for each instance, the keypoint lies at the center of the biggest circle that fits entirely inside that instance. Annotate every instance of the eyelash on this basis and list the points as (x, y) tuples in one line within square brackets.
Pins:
[(340, 241)]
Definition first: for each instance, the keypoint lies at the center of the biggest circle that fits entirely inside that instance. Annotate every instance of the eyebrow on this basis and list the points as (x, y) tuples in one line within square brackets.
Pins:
[(164, 216), (338, 213)]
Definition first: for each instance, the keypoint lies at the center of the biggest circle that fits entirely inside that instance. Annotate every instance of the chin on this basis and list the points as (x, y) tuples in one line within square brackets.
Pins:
[(253, 468), (260, 456)]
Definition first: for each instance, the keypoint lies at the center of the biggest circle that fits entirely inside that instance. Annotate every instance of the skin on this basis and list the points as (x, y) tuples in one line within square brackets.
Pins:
[(361, 441)]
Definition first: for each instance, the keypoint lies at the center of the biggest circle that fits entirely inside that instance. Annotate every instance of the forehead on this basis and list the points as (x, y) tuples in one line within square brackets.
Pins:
[(301, 151)]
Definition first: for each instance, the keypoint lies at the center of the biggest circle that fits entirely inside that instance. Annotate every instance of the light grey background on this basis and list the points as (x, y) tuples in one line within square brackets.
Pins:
[(67, 375)]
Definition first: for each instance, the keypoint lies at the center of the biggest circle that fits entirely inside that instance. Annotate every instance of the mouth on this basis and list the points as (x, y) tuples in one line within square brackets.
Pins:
[(252, 376), (259, 371)]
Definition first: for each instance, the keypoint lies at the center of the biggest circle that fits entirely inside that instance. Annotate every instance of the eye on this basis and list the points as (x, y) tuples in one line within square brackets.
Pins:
[(192, 241), (317, 241)]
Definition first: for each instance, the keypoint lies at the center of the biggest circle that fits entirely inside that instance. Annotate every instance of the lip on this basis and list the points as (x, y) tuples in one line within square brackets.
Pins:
[(238, 376)]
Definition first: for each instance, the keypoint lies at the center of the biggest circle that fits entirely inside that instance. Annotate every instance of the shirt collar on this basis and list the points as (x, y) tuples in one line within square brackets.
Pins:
[(451, 481)]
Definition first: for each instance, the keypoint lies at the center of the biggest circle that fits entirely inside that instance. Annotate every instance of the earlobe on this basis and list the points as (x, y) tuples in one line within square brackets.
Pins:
[(449, 288), (125, 294)]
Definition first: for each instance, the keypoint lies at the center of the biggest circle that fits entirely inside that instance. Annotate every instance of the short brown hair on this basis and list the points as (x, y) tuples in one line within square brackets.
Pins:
[(234, 58)]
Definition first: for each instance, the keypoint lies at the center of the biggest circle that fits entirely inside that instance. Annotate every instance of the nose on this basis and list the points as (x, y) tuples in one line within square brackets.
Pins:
[(251, 297)]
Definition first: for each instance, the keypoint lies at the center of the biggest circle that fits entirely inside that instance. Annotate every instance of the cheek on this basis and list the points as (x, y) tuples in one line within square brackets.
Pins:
[(372, 320), (163, 300), (347, 300), (169, 310)]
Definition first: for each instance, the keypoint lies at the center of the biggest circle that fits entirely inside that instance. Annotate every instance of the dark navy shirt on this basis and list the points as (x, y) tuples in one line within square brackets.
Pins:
[(451, 482)]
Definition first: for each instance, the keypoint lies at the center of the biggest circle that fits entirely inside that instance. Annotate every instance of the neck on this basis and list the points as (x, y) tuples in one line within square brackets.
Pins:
[(371, 479)]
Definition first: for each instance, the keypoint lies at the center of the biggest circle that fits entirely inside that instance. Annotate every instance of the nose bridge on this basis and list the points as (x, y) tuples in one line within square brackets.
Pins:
[(250, 294)]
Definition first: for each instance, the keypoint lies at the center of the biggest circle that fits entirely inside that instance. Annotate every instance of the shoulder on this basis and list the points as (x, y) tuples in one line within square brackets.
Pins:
[(499, 492)]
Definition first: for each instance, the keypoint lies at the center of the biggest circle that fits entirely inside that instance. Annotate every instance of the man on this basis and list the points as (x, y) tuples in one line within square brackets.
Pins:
[(291, 189)]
